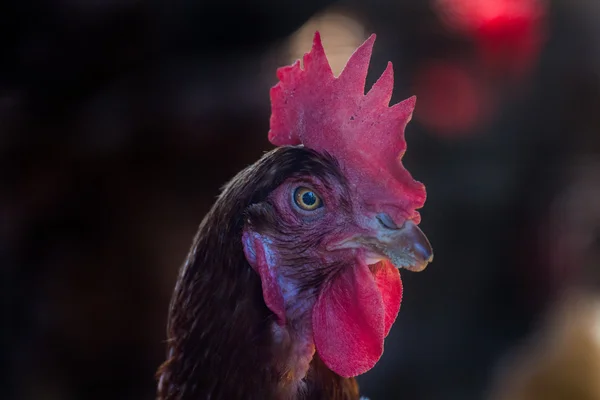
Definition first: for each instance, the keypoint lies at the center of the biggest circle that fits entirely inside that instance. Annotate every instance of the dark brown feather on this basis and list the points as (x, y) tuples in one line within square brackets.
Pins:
[(220, 343)]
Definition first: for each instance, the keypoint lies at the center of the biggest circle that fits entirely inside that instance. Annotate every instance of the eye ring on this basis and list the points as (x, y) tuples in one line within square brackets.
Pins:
[(307, 199)]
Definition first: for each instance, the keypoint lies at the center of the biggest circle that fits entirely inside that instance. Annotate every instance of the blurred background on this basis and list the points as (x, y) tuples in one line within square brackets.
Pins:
[(120, 120)]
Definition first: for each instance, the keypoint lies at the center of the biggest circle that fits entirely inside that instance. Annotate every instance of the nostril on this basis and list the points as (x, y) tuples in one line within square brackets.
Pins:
[(386, 221)]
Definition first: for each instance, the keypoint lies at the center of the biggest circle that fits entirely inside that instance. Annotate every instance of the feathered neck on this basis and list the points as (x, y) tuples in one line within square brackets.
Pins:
[(220, 332)]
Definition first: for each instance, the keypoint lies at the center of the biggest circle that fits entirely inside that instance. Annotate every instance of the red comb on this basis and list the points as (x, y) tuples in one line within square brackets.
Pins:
[(324, 113)]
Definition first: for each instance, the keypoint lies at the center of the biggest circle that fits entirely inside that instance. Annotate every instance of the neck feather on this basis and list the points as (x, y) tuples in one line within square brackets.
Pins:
[(223, 341)]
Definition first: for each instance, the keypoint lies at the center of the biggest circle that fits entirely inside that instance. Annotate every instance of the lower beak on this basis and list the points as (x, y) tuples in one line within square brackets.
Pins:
[(406, 246)]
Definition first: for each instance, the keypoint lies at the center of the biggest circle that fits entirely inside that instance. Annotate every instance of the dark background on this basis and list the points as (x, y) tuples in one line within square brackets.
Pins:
[(120, 120)]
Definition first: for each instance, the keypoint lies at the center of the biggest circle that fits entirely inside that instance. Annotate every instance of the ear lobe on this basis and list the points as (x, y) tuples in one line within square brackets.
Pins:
[(259, 252), (249, 247)]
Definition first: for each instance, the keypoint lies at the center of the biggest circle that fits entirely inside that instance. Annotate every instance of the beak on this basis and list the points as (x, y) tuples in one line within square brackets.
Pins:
[(406, 246)]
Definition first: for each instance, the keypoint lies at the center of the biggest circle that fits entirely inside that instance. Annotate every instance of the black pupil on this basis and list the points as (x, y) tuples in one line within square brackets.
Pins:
[(309, 198)]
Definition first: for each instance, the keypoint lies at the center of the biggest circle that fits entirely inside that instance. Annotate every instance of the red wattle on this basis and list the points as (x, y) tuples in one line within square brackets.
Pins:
[(388, 280), (353, 315)]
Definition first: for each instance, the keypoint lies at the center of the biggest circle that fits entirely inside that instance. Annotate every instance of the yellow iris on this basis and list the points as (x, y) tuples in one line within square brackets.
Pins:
[(307, 199)]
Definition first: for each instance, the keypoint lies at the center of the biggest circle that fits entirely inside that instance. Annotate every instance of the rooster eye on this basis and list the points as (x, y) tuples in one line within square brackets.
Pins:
[(306, 199)]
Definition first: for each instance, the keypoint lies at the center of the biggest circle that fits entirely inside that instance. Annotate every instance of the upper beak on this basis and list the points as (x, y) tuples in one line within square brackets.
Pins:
[(406, 246)]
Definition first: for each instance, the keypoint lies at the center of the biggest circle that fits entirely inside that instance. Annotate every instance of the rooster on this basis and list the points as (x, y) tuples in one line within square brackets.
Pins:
[(292, 282)]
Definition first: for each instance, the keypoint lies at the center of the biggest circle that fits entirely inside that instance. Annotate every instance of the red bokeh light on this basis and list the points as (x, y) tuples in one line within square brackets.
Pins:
[(472, 15), (451, 100), (508, 33)]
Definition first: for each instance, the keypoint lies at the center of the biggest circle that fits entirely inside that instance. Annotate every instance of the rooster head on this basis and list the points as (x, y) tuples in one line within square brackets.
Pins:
[(328, 242)]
